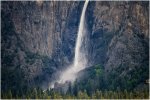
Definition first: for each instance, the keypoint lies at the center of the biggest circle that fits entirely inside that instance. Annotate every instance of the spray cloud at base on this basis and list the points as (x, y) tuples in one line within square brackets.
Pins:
[(80, 61)]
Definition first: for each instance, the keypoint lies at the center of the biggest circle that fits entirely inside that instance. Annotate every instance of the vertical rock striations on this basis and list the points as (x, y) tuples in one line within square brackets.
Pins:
[(38, 39)]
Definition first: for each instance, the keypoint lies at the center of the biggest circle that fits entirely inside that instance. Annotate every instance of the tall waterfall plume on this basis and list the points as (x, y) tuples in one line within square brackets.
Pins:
[(80, 60)]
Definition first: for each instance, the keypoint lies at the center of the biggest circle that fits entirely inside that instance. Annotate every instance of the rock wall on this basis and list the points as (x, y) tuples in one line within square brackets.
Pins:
[(38, 38)]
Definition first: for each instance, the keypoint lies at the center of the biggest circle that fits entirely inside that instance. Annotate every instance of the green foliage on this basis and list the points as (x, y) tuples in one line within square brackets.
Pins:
[(98, 70), (9, 94), (51, 94), (82, 95), (93, 86), (92, 80), (129, 80)]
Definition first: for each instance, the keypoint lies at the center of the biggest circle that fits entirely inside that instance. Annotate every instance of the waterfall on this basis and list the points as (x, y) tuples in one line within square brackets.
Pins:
[(79, 59)]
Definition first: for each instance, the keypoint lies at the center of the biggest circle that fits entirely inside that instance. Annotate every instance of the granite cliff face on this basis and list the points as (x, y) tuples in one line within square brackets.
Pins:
[(38, 39)]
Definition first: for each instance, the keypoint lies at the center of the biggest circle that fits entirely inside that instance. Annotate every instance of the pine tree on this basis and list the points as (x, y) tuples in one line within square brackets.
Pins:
[(9, 94), (126, 94), (79, 95), (35, 93), (93, 95), (85, 95), (45, 95), (105, 94), (98, 94)]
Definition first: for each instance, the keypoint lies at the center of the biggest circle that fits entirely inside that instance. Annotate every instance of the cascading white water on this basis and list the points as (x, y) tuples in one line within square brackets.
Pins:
[(79, 59)]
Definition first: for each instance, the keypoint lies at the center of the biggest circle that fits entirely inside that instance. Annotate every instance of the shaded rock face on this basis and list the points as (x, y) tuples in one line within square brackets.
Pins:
[(113, 20), (38, 38), (119, 40)]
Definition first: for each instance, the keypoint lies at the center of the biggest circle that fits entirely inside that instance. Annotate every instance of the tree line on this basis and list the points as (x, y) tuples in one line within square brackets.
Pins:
[(37, 93)]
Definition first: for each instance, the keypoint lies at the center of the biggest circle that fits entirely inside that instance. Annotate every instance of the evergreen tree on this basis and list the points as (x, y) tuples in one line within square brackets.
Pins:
[(9, 94), (35, 95), (98, 94)]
